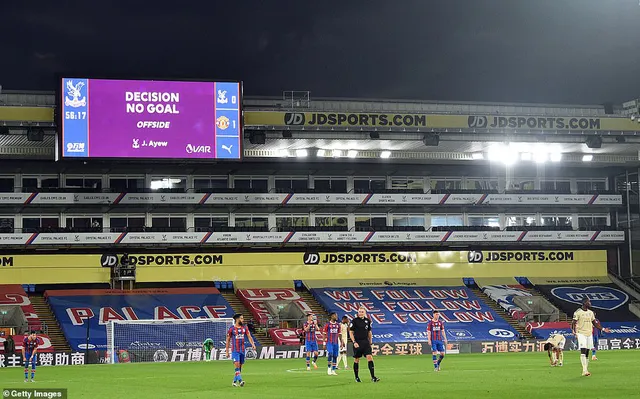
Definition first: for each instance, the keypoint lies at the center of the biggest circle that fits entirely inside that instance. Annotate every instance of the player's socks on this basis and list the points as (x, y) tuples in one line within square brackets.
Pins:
[(237, 375), (440, 359), (308, 361), (33, 374), (561, 357), (26, 374), (315, 358), (585, 363), (356, 368), (372, 369), (435, 361)]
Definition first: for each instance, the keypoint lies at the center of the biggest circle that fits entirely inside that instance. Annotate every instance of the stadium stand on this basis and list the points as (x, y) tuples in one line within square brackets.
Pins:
[(78, 311), (401, 312)]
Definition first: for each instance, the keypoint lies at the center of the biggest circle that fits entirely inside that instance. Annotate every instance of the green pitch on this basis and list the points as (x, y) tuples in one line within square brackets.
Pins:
[(527, 375)]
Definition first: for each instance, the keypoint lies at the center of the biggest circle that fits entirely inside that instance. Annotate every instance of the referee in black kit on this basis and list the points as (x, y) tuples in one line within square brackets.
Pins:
[(360, 332)]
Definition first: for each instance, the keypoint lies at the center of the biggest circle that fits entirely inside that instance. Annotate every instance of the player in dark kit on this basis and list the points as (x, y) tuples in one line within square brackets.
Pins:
[(235, 346), (29, 350), (360, 334)]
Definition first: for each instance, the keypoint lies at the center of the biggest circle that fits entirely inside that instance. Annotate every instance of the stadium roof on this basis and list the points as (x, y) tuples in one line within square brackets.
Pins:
[(418, 145)]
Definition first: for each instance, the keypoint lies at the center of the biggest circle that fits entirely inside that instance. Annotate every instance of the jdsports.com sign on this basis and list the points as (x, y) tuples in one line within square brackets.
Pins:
[(520, 256)]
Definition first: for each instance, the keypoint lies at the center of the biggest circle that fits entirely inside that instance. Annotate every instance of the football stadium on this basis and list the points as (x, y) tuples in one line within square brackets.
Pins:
[(176, 239)]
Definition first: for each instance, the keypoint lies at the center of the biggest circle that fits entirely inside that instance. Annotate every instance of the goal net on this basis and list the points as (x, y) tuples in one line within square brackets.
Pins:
[(164, 340)]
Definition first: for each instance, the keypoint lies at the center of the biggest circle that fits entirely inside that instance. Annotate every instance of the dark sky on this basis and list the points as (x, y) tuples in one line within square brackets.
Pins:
[(554, 51)]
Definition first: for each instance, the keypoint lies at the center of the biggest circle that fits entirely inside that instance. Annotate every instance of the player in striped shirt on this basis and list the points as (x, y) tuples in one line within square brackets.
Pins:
[(596, 338), (310, 339), (437, 339), (29, 350), (332, 341), (235, 346)]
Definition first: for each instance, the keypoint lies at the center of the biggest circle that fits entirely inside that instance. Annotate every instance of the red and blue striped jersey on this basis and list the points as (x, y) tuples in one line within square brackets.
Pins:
[(237, 335), (310, 335), (332, 329), (29, 345), (436, 328)]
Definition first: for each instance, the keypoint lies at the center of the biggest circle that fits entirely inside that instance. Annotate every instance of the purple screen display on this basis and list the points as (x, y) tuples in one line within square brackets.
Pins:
[(151, 119)]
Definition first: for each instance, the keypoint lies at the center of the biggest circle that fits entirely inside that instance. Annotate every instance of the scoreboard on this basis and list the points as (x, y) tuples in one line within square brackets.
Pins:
[(107, 118)]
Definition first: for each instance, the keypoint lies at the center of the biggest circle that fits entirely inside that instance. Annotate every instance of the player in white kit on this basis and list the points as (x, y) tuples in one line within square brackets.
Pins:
[(582, 326)]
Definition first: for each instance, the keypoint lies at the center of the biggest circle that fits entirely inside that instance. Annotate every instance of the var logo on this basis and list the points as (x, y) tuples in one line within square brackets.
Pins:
[(474, 256), (311, 258), (294, 118)]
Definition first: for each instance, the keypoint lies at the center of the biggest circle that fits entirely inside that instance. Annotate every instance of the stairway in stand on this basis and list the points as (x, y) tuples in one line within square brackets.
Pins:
[(238, 307), (315, 306), (43, 310), (562, 316), (502, 313)]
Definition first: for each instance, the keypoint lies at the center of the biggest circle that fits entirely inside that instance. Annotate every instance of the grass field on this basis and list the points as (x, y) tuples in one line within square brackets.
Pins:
[(527, 375)]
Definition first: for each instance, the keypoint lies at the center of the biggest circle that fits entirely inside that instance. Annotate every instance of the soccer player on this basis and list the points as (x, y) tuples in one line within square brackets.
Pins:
[(207, 346), (344, 334), (29, 350), (310, 339), (235, 351), (332, 342), (554, 347), (582, 326), (362, 338), (436, 339), (596, 338)]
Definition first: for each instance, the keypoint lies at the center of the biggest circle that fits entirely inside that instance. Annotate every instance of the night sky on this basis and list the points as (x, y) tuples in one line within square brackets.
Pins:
[(552, 51)]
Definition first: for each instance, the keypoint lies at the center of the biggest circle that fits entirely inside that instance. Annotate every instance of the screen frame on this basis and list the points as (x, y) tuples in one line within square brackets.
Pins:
[(58, 119)]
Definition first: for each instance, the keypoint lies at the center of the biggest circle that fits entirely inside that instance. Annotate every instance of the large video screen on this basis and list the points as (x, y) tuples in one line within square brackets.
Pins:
[(104, 118)]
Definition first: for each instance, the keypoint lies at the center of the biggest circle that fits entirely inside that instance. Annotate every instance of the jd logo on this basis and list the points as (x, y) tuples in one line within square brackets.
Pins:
[(109, 260), (294, 118), (477, 121), (474, 256), (601, 297), (500, 333), (311, 258)]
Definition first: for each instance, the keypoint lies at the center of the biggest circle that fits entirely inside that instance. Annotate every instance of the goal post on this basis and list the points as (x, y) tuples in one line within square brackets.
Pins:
[(163, 340)]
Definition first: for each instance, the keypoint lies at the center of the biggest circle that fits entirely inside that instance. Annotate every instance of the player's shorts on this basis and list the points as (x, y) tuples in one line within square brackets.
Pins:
[(333, 349), (561, 343), (311, 346), (437, 346), (28, 362), (237, 357), (363, 349), (584, 341)]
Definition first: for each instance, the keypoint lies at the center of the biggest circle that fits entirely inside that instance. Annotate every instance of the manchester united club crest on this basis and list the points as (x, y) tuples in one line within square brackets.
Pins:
[(222, 122)]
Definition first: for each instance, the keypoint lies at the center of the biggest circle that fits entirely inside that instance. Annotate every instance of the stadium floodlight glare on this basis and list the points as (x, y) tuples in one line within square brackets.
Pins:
[(352, 153), (302, 153), (502, 153), (336, 153), (540, 156), (525, 156), (321, 153), (385, 154), (478, 156), (284, 153), (162, 340), (556, 156), (587, 158)]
